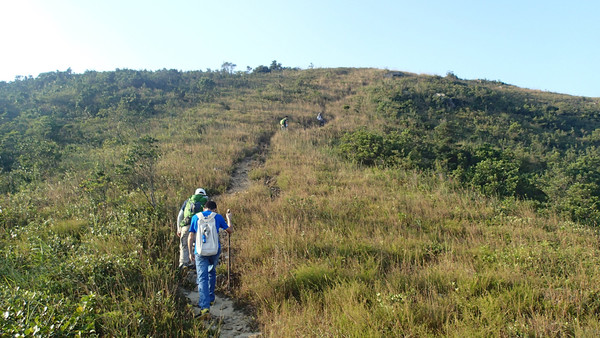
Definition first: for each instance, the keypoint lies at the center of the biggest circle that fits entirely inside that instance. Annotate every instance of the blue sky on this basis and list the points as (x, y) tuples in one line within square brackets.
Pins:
[(546, 45)]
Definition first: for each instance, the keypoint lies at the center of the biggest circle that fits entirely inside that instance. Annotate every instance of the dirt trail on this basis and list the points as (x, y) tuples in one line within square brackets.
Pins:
[(239, 179), (227, 318)]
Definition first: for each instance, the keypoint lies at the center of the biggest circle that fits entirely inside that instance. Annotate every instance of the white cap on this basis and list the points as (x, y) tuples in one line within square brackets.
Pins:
[(200, 191)]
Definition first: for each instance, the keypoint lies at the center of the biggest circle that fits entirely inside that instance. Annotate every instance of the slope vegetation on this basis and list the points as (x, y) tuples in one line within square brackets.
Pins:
[(424, 206)]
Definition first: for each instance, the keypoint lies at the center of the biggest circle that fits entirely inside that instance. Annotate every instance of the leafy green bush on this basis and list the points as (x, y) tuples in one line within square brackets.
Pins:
[(42, 314), (496, 177), (372, 148), (364, 147)]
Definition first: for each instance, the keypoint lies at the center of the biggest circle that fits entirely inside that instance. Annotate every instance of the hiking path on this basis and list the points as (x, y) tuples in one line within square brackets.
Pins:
[(228, 318)]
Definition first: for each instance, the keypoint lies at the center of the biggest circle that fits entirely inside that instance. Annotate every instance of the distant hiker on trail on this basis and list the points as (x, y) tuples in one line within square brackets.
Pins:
[(190, 207), (320, 119), (207, 250), (284, 123)]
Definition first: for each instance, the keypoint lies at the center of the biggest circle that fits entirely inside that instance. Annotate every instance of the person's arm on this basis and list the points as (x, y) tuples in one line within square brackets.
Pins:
[(229, 224), (192, 237), (191, 241), (179, 219)]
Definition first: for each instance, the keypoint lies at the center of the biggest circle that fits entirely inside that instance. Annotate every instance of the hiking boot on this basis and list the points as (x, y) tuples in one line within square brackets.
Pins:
[(204, 314)]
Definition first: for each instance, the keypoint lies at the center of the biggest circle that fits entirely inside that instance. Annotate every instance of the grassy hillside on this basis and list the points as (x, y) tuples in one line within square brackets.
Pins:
[(425, 206)]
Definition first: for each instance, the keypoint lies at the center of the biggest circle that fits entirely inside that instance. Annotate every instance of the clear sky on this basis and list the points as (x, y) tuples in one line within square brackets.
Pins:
[(548, 45)]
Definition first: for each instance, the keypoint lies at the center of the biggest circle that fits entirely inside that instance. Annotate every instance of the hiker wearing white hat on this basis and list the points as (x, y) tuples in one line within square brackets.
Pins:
[(190, 207)]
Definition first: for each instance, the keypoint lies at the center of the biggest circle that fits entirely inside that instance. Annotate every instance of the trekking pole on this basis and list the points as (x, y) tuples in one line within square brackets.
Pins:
[(229, 261), (228, 214)]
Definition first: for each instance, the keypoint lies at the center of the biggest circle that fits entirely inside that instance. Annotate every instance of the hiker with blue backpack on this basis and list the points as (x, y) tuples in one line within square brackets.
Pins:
[(204, 237), (190, 207)]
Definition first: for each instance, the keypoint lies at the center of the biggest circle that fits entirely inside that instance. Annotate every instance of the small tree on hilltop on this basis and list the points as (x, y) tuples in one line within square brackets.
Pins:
[(275, 66), (228, 67), (262, 69)]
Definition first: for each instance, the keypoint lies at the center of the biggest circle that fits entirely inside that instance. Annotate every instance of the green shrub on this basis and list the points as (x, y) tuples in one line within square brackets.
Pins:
[(363, 146), (42, 314), (496, 177)]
